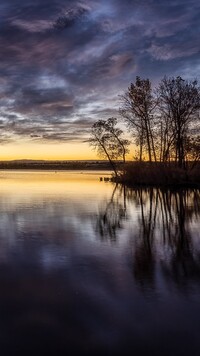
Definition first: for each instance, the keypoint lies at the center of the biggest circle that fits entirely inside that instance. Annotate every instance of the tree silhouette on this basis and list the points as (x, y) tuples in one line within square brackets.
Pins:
[(138, 105), (164, 122), (107, 139), (179, 104)]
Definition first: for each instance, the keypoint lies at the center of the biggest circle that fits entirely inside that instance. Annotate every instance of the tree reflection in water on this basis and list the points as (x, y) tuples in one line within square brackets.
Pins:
[(112, 214), (164, 239)]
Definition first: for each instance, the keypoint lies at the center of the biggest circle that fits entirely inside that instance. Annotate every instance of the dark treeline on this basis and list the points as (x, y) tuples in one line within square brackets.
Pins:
[(163, 124), (54, 165)]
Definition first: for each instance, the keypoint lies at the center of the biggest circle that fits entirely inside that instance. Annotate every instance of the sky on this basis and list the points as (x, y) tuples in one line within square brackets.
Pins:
[(64, 63)]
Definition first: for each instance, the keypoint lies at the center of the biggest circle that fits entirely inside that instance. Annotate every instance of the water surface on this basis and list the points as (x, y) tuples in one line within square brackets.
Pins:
[(88, 267)]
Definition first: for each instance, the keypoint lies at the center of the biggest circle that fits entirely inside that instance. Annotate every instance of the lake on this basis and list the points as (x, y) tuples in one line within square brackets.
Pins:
[(91, 268)]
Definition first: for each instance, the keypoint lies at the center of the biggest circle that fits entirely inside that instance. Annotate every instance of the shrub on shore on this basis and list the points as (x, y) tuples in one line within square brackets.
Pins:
[(158, 174)]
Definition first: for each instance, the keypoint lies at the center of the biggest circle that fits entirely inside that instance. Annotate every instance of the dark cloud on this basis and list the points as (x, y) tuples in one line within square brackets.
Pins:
[(70, 17), (43, 101), (63, 63)]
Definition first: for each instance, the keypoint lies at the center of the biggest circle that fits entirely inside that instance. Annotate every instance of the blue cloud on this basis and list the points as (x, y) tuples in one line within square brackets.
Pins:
[(69, 60)]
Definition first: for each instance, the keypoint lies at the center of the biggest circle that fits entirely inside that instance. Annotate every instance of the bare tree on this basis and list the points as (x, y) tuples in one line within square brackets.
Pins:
[(163, 138), (120, 143), (192, 151), (179, 104), (107, 138), (138, 105)]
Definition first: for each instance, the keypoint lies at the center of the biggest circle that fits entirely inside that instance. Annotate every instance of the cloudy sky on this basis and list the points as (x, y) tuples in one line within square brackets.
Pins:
[(63, 64)]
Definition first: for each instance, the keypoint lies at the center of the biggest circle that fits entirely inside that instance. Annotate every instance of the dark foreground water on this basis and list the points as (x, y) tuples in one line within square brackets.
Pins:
[(90, 268)]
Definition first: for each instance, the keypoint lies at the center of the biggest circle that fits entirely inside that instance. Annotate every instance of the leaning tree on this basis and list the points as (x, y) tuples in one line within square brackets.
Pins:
[(108, 140)]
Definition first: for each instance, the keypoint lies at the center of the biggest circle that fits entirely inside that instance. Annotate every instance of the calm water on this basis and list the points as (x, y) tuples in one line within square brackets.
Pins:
[(90, 268)]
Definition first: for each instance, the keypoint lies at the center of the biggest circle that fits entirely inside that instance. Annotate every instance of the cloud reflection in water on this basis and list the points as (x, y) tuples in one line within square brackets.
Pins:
[(88, 267)]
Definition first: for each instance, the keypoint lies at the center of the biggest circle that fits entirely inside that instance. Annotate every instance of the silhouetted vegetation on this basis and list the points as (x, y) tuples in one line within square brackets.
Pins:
[(159, 174), (107, 138), (164, 124), (55, 165), (138, 105)]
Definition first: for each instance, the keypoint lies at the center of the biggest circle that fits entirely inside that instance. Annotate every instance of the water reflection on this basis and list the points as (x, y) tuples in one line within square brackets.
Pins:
[(163, 231), (93, 268), (112, 214)]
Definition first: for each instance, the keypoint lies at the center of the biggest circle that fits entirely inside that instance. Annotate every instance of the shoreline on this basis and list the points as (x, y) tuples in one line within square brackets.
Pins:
[(56, 166), (132, 174)]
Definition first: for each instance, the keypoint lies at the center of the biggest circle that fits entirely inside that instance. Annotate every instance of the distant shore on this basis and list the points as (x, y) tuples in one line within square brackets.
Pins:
[(54, 165)]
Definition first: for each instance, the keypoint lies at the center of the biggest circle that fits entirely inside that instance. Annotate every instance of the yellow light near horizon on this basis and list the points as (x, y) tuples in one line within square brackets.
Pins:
[(46, 151), (30, 186)]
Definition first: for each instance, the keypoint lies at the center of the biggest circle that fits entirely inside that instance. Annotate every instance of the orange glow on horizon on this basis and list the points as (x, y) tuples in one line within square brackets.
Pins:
[(45, 151), (63, 151), (30, 185)]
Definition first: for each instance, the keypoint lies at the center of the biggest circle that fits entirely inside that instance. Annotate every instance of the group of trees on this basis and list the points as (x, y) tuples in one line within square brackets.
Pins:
[(164, 123)]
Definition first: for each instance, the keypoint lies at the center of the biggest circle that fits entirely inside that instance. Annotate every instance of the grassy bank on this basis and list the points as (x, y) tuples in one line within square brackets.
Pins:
[(158, 174)]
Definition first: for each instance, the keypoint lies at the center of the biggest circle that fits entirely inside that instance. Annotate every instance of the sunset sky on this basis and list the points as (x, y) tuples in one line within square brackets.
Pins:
[(64, 63)]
